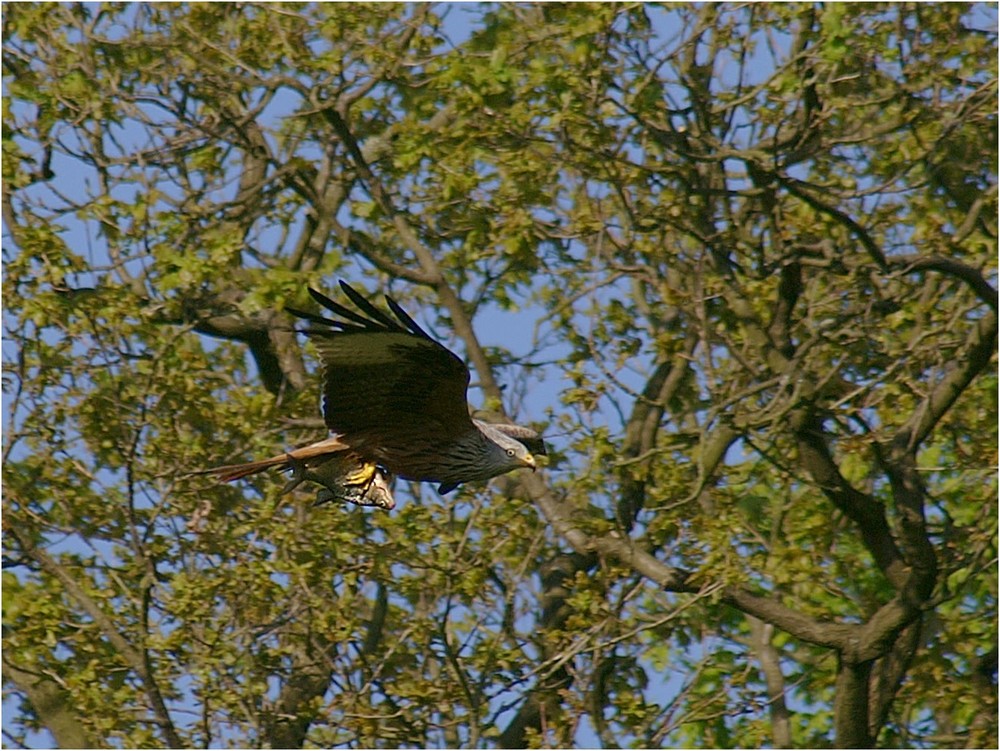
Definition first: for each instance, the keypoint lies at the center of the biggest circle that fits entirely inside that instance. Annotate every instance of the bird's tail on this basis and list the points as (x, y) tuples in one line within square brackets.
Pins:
[(230, 472)]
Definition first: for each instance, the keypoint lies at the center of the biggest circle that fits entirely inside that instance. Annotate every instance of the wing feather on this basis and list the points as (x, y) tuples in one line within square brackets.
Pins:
[(366, 307), (345, 312), (402, 315), (388, 385), (307, 316)]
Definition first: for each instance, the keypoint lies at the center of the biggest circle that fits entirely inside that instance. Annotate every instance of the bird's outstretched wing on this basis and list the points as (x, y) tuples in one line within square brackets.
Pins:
[(390, 390)]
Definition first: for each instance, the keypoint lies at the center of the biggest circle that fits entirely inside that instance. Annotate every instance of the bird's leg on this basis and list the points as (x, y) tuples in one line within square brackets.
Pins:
[(298, 468)]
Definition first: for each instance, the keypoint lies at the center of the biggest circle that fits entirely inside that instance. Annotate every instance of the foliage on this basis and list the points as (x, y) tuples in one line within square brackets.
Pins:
[(755, 244)]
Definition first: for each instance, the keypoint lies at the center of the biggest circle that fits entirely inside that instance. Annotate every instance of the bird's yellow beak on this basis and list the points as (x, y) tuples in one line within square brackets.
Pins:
[(530, 462)]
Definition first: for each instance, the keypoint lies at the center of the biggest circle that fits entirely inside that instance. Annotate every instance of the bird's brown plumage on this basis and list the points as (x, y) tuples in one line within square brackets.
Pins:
[(396, 400), (398, 397)]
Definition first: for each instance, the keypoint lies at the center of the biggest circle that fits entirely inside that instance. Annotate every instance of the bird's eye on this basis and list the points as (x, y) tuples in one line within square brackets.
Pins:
[(510, 453)]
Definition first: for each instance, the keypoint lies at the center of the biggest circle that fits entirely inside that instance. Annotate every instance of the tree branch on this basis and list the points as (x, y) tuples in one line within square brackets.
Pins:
[(51, 703), (258, 340), (887, 676), (949, 267), (981, 346), (137, 659), (774, 679), (866, 513), (543, 701), (308, 679), (561, 516), (799, 190), (643, 426)]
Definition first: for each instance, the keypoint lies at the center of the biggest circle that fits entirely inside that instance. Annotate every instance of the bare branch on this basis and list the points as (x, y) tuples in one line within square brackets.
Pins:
[(980, 348), (950, 267)]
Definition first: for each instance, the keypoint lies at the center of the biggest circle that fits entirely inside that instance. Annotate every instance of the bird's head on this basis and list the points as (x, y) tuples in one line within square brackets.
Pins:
[(507, 453)]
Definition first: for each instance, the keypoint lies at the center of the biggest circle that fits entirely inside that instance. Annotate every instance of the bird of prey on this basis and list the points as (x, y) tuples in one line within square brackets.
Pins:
[(395, 400), (398, 398)]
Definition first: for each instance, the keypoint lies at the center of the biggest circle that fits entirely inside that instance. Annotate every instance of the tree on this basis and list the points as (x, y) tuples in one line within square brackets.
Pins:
[(756, 244)]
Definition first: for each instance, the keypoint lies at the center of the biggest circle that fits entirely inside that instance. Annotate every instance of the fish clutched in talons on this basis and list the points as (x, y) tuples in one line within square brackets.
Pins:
[(376, 492), (351, 480), (344, 475)]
